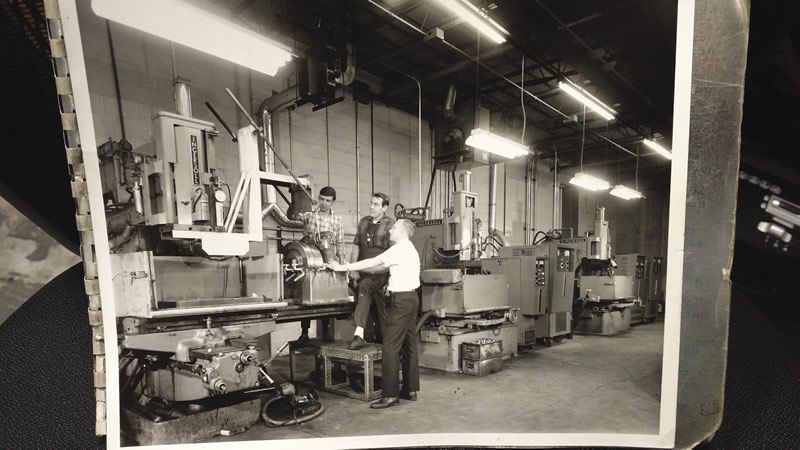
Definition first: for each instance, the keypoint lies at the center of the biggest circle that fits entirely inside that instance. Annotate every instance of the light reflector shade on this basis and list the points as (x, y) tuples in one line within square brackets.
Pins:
[(625, 192), (589, 182), (588, 99), (182, 22), (658, 149), (477, 18), (493, 143)]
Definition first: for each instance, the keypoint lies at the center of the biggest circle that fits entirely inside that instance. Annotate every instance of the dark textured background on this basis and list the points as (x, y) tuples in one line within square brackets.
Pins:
[(47, 399)]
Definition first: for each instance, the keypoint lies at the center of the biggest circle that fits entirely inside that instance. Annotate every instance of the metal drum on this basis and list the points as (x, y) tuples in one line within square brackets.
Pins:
[(304, 255)]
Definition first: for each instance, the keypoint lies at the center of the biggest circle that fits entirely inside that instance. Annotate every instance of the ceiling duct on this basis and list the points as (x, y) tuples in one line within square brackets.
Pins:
[(449, 103), (452, 130)]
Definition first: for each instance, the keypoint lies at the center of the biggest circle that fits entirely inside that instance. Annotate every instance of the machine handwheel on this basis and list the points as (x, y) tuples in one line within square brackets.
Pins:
[(558, 338)]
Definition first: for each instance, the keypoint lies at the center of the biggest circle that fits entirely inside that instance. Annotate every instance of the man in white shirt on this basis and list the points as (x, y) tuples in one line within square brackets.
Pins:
[(402, 306)]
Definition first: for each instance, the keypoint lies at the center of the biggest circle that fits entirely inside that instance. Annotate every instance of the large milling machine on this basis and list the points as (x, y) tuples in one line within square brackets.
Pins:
[(605, 297), (459, 303), (198, 287)]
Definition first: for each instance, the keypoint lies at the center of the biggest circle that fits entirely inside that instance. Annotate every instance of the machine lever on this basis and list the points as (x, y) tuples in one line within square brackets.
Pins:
[(267, 142), (224, 125)]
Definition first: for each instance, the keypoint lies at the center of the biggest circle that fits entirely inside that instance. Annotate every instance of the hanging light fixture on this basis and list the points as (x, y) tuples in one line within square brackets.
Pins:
[(583, 179), (589, 182), (658, 149), (498, 145), (182, 22), (625, 192), (588, 100), (477, 18)]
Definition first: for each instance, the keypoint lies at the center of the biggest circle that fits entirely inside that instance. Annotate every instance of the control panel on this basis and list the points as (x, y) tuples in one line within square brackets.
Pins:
[(564, 260), (641, 267), (657, 261), (541, 266)]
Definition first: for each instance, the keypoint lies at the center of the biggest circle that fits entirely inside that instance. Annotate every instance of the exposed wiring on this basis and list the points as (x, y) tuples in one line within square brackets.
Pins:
[(583, 134), (294, 420), (497, 250), (522, 101), (636, 176), (228, 188), (451, 256), (494, 238), (197, 199)]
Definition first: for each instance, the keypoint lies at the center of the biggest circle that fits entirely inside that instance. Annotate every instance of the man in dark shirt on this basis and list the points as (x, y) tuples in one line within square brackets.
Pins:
[(372, 239)]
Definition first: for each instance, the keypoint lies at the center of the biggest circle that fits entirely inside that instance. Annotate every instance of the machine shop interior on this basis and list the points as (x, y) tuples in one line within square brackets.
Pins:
[(543, 252)]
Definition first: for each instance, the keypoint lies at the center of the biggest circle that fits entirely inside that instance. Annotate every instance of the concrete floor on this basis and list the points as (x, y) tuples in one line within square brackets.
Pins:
[(29, 258), (592, 384)]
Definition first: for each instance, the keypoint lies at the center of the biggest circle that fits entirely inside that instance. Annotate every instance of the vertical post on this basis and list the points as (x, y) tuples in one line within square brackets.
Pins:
[(419, 137), (358, 165)]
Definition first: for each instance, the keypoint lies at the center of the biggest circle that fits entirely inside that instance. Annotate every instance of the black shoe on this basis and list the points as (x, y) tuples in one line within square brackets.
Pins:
[(409, 396), (301, 341), (357, 343), (385, 402)]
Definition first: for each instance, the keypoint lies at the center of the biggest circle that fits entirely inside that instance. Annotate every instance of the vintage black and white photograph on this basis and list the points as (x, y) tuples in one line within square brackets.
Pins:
[(425, 221)]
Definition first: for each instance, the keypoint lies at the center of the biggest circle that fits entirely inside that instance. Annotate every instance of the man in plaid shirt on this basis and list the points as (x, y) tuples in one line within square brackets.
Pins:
[(324, 227)]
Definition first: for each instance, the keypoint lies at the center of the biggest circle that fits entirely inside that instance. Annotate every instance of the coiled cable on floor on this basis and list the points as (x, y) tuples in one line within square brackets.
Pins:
[(277, 423)]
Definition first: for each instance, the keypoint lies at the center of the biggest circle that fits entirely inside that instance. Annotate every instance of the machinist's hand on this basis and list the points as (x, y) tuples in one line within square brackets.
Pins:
[(355, 276), (336, 267)]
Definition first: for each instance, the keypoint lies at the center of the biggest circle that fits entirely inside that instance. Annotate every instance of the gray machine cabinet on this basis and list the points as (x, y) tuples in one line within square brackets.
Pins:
[(472, 294), (522, 291)]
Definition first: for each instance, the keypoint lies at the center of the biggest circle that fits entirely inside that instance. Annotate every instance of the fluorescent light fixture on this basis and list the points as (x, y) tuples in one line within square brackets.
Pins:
[(588, 99), (182, 22), (589, 182), (493, 143), (625, 192), (658, 149), (477, 18)]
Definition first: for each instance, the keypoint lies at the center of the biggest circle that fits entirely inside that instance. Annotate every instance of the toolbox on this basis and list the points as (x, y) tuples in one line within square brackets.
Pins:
[(482, 368), (482, 357), (481, 349)]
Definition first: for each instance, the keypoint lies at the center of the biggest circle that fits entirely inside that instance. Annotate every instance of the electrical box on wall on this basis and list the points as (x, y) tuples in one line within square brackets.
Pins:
[(319, 74), (451, 152)]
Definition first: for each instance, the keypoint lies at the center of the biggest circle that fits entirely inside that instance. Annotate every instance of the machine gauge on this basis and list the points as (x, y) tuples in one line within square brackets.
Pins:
[(220, 196)]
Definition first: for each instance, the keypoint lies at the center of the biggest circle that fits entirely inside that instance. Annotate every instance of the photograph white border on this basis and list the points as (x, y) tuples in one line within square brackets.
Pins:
[(675, 255)]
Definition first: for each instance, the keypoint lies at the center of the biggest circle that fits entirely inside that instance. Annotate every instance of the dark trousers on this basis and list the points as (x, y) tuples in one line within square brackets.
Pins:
[(400, 344), (371, 303)]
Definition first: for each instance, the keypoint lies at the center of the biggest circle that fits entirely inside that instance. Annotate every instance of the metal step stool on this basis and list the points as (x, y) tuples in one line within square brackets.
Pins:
[(337, 353)]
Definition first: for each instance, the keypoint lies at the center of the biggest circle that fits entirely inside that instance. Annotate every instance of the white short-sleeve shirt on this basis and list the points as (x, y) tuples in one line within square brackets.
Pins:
[(403, 262)]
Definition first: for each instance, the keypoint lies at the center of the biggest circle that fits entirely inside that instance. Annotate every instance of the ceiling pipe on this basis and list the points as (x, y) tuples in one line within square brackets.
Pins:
[(474, 60), (449, 103), (419, 133)]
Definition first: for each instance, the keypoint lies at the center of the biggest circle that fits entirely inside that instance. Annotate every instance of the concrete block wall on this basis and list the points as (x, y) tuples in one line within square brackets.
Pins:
[(510, 213), (323, 145)]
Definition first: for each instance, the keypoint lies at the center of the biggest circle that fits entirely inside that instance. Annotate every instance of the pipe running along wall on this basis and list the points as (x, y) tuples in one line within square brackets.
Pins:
[(269, 192)]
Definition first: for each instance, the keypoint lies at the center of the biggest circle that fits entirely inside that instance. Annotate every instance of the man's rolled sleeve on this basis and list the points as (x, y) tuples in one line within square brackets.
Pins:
[(390, 257)]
